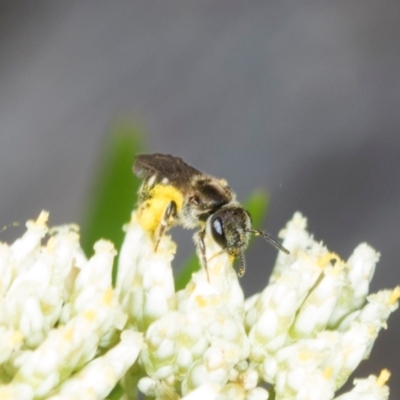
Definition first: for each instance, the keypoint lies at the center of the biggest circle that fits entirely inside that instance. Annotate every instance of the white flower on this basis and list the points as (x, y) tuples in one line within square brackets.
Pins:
[(371, 388), (305, 333), (98, 377), (66, 333), (56, 310), (145, 283)]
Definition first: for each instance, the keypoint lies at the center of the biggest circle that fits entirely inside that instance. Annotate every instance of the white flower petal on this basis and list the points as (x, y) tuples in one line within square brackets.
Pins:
[(99, 377)]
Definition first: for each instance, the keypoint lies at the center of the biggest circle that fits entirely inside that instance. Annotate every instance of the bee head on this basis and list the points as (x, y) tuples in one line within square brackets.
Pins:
[(231, 228)]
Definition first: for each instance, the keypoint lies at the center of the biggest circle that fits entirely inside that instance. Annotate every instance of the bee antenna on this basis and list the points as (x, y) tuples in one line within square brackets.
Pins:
[(269, 239)]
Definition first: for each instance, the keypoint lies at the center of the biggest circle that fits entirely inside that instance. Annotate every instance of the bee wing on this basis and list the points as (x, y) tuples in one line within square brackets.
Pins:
[(166, 166)]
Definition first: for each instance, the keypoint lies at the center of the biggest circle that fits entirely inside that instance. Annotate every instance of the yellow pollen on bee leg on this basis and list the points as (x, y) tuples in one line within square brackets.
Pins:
[(151, 211)]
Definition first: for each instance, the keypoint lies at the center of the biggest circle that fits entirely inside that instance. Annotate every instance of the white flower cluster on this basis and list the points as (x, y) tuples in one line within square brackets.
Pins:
[(304, 334), (66, 333), (60, 320)]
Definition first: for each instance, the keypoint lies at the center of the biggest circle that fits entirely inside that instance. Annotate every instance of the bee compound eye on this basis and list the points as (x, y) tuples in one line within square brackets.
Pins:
[(217, 231)]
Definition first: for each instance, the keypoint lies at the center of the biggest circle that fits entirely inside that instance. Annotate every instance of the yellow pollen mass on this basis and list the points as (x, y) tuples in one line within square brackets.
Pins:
[(383, 377), (329, 257), (372, 330), (90, 315), (395, 295), (16, 338), (108, 296), (328, 372), (304, 355), (151, 211), (206, 301), (201, 301), (69, 333)]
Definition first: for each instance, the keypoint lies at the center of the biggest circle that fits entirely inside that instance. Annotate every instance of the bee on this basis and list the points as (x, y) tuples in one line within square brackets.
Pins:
[(175, 193)]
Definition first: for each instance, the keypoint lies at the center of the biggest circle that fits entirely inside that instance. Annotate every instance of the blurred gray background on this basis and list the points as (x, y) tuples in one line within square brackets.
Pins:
[(299, 97)]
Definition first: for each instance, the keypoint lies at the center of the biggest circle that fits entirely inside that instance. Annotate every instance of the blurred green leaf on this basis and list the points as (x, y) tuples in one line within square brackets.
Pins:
[(256, 205), (114, 191), (191, 265), (116, 393), (271, 392)]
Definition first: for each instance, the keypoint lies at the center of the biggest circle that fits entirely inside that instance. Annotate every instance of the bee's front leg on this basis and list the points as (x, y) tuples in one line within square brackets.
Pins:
[(169, 215)]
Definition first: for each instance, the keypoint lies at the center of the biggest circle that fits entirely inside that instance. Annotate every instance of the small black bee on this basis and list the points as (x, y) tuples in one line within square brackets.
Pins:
[(174, 193)]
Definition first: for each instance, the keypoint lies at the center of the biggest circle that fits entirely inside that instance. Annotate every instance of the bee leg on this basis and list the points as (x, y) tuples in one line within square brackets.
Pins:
[(202, 247), (168, 217)]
